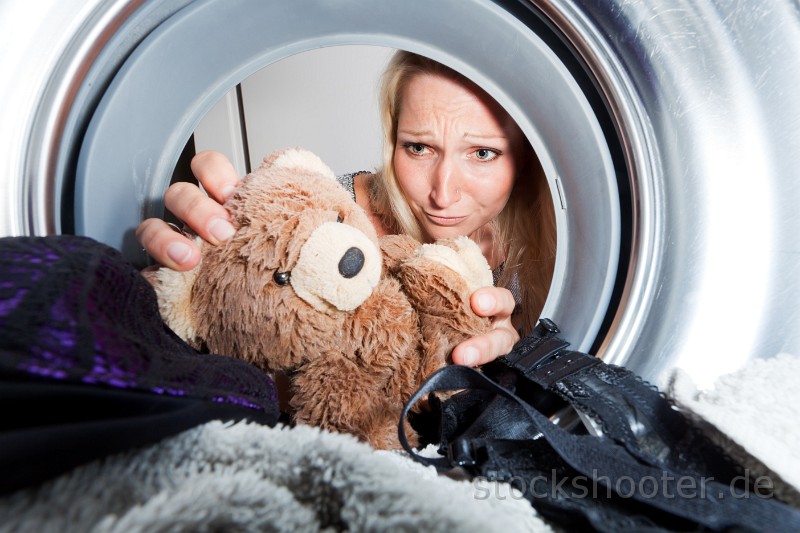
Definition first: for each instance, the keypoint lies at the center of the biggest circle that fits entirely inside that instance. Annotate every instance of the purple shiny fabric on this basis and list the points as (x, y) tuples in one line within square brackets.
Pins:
[(71, 309)]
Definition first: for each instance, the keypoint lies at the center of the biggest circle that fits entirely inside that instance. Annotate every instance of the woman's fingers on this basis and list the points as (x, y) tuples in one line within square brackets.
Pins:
[(485, 348), (167, 247), (215, 173), (498, 303), (203, 214), (209, 219), (493, 301)]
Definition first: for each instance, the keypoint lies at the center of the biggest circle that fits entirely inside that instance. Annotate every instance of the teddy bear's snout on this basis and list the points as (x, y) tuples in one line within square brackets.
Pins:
[(338, 268)]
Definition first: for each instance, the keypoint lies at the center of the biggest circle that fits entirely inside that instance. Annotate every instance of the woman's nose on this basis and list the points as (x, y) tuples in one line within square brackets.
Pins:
[(446, 183)]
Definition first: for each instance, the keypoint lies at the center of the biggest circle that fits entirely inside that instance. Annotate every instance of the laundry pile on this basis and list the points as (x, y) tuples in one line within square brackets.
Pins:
[(249, 477), (112, 424)]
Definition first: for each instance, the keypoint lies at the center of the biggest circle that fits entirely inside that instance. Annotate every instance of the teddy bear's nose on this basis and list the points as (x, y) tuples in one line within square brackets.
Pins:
[(351, 262)]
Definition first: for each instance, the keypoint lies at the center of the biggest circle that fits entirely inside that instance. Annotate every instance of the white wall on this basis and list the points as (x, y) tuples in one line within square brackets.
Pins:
[(323, 100)]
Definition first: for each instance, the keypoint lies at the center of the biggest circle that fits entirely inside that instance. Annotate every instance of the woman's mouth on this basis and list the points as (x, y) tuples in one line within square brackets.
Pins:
[(444, 221)]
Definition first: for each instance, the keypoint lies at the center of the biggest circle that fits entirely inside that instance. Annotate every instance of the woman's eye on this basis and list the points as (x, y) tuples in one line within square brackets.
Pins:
[(485, 154), (416, 148)]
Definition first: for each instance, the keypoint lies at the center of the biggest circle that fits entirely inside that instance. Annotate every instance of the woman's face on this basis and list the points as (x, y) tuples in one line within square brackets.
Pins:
[(456, 155)]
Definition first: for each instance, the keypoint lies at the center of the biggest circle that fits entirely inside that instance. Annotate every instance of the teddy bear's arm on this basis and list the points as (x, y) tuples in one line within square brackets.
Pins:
[(174, 291), (439, 280), (396, 249)]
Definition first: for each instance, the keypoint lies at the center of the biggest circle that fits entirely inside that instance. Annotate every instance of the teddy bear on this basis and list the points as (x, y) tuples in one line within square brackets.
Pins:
[(306, 288)]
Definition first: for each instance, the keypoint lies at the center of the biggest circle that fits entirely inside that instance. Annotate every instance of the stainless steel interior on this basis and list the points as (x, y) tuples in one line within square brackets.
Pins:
[(667, 129)]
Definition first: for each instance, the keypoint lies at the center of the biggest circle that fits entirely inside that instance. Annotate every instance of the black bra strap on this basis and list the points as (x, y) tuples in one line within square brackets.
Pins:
[(641, 434)]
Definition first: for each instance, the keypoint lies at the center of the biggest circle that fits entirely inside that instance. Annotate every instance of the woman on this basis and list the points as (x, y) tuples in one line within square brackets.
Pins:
[(455, 163)]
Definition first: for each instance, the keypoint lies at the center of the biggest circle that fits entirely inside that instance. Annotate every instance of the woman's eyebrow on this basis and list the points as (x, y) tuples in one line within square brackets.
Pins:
[(485, 136), (466, 135), (414, 133)]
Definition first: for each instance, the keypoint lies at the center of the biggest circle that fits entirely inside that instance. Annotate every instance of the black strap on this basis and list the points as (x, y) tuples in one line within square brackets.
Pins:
[(619, 458), (544, 358)]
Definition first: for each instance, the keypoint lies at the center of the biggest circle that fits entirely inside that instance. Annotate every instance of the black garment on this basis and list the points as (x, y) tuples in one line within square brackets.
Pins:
[(651, 469), (88, 368)]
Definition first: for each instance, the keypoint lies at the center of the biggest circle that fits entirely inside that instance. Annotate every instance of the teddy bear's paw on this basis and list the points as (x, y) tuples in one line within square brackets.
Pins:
[(174, 292), (396, 249), (463, 256)]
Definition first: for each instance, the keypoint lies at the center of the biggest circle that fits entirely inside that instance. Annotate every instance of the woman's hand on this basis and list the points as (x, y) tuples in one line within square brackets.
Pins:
[(498, 303), (204, 214)]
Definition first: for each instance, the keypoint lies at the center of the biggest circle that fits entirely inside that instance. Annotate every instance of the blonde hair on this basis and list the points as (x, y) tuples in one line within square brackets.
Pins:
[(525, 228)]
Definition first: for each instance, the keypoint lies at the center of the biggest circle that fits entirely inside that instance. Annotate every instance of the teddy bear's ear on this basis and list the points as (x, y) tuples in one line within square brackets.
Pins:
[(297, 159)]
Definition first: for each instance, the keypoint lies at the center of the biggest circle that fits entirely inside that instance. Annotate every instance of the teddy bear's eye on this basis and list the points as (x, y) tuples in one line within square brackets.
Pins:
[(340, 218), (281, 278)]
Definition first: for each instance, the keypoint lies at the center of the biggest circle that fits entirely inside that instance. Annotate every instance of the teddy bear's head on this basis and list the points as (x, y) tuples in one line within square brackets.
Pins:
[(304, 255)]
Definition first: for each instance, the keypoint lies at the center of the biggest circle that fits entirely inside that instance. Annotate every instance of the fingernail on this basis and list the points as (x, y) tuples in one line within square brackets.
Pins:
[(221, 229), (228, 191), (486, 302), (470, 356), (180, 252)]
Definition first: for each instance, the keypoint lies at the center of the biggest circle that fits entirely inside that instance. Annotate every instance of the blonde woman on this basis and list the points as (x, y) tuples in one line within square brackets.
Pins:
[(455, 163)]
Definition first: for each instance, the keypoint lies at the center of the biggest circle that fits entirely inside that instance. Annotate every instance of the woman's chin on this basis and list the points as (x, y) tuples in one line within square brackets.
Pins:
[(436, 233)]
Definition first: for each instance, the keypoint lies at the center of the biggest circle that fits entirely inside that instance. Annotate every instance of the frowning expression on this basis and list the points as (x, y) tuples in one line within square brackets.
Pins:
[(456, 155)]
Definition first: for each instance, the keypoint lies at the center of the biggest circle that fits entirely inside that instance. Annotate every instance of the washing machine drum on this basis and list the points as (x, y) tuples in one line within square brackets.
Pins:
[(668, 134)]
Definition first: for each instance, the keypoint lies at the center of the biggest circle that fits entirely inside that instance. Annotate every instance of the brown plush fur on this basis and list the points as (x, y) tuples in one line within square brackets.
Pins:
[(350, 371)]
